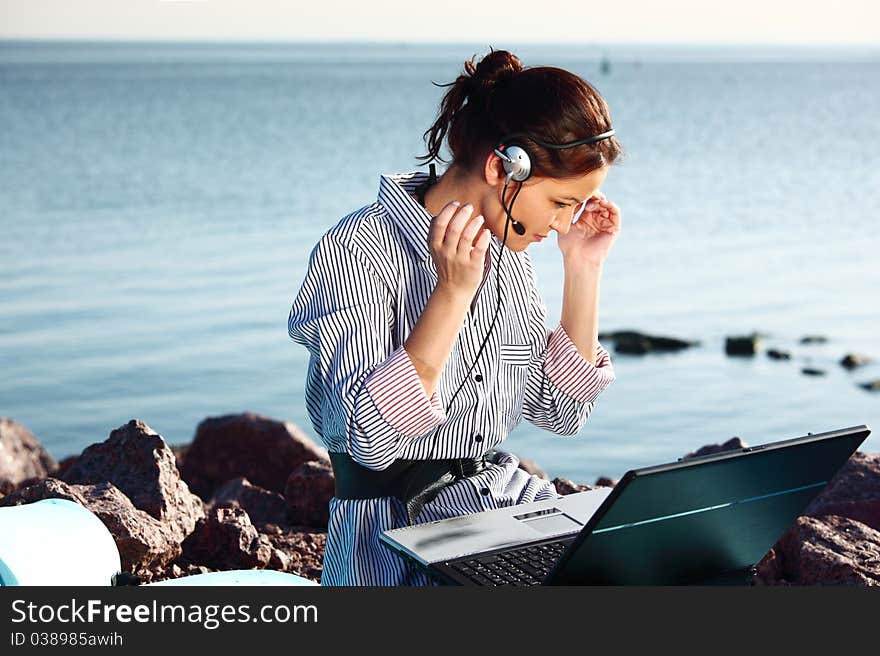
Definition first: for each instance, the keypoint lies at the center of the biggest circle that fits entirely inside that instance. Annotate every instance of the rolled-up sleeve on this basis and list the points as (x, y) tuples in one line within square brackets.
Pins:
[(363, 394), (562, 384)]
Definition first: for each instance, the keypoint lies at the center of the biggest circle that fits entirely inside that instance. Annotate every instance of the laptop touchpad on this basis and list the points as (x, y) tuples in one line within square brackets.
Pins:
[(549, 521)]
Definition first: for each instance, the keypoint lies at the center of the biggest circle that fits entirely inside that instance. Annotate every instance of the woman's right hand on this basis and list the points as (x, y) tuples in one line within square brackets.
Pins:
[(459, 253)]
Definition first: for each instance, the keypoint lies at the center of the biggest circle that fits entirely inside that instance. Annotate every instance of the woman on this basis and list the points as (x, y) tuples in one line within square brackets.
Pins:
[(418, 367)]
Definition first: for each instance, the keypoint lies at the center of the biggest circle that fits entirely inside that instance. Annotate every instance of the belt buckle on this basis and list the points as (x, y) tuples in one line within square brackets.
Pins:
[(465, 467)]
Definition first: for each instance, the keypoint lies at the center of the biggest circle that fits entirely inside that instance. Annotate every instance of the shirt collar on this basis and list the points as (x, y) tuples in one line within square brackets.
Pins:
[(413, 220)]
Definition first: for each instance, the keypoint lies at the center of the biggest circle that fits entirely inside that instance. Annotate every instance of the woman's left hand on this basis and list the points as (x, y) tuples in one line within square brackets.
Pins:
[(589, 240)]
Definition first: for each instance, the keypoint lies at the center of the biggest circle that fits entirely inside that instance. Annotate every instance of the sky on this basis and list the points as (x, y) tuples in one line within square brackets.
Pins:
[(772, 22)]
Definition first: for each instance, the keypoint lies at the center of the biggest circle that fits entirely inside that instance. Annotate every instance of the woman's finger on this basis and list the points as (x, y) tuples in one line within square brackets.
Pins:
[(466, 241), (456, 225), (437, 230), (481, 245)]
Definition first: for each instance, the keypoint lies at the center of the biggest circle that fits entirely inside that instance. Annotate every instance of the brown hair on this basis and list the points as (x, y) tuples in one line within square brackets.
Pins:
[(498, 97)]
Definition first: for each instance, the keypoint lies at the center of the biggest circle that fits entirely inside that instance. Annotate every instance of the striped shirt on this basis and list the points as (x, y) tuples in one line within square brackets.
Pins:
[(369, 277)]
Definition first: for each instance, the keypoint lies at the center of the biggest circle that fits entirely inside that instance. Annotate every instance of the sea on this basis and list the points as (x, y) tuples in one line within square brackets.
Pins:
[(159, 201)]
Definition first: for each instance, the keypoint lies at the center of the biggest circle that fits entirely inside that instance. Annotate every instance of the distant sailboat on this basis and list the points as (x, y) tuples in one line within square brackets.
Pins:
[(605, 66)]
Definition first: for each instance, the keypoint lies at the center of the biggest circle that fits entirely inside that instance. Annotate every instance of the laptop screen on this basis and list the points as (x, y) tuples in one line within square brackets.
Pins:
[(681, 522)]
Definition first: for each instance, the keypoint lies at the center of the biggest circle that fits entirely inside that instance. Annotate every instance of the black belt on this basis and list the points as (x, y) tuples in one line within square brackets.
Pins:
[(413, 482)]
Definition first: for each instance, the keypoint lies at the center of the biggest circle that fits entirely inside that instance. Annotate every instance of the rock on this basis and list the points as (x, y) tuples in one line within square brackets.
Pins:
[(279, 561), (175, 570), (565, 486), (298, 552), (262, 506), (122, 577), (733, 444), (22, 457), (810, 371), (854, 492), (635, 345), (64, 465), (226, 539), (742, 345), (633, 342), (832, 550), (604, 481), (179, 451), (814, 339), (853, 360), (308, 491), (143, 542), (258, 448), (137, 460), (773, 354), (871, 386), (769, 570), (531, 467)]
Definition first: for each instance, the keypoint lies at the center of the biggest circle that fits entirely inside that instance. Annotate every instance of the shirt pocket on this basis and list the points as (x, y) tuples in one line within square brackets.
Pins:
[(513, 372), (515, 354)]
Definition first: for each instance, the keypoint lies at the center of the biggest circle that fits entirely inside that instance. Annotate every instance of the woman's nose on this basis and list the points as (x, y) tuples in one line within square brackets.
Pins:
[(561, 225)]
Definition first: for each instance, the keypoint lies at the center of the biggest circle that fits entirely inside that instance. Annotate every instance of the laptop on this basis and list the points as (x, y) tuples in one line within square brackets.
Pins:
[(705, 520)]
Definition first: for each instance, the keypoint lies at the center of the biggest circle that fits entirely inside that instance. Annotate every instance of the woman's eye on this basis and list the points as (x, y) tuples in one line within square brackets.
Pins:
[(558, 204)]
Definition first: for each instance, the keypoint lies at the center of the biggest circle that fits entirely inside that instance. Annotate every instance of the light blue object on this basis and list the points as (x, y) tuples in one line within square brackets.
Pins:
[(239, 577), (55, 542), (60, 542)]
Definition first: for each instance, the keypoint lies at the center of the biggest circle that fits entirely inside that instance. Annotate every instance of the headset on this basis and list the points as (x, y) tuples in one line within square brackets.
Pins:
[(518, 167)]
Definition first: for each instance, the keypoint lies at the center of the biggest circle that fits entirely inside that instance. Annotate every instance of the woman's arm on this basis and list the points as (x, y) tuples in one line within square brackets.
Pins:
[(580, 307), (458, 243), (431, 340)]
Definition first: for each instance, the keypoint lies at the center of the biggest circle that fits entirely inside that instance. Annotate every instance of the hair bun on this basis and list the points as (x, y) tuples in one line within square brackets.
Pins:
[(495, 68)]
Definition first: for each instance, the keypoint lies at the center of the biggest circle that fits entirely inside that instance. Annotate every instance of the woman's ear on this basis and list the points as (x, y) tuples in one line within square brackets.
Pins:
[(493, 170)]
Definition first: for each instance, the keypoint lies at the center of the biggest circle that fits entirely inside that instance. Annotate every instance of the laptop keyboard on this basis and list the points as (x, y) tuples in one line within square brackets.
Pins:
[(523, 566)]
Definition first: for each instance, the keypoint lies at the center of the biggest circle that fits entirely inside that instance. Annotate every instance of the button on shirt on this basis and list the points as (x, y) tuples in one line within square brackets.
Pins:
[(369, 277)]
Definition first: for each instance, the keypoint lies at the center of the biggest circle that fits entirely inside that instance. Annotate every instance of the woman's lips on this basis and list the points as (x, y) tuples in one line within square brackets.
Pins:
[(539, 237)]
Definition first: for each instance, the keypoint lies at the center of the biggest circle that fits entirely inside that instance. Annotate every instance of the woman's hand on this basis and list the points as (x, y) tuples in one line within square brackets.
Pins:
[(458, 251), (589, 240)]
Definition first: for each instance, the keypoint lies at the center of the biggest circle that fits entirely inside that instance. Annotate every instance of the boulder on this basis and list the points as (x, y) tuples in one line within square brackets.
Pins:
[(604, 481), (636, 343), (871, 386), (853, 360), (773, 354), (137, 460), (742, 345), (262, 506), (308, 491), (733, 444), (854, 492), (143, 542), (531, 467), (565, 486), (261, 449), (226, 539), (64, 464), (814, 339), (179, 451), (22, 458), (812, 371), (831, 550)]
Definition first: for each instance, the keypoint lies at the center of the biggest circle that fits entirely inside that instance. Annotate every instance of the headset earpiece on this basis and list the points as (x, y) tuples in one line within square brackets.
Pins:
[(515, 159), (516, 162)]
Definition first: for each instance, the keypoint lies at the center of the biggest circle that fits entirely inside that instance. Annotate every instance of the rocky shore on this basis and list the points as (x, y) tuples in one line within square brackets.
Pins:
[(633, 342), (252, 492)]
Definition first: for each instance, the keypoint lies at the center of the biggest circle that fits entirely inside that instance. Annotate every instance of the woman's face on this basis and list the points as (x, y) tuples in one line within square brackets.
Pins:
[(543, 205)]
